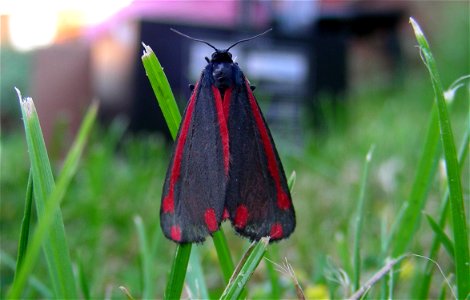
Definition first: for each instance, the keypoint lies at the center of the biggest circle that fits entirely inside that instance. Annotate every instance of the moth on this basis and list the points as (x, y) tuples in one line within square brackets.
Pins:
[(225, 164)]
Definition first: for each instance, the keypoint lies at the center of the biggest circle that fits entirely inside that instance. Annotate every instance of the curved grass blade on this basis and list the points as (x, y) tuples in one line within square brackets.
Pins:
[(273, 274), (425, 281), (409, 217), (171, 113), (225, 258), (33, 281), (359, 221), (161, 88), (459, 226), (175, 283), (291, 181), (245, 269), (146, 258), (223, 253), (25, 223), (50, 232), (172, 116), (126, 292), (441, 235), (196, 284), (83, 280)]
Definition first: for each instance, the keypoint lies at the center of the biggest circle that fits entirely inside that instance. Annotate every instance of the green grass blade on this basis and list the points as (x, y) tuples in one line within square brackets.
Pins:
[(291, 181), (459, 226), (161, 88), (25, 223), (50, 232), (360, 220), (245, 269), (146, 259), (273, 274), (166, 100), (223, 253), (33, 281), (172, 116), (175, 282), (83, 280), (442, 292), (272, 255), (425, 281), (195, 277), (409, 218), (441, 235), (126, 292)]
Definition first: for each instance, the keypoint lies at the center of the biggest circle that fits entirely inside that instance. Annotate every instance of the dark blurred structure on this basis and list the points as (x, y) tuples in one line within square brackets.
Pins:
[(307, 55), (315, 49)]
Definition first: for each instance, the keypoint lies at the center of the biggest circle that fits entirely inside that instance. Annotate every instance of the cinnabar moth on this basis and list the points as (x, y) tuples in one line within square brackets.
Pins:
[(225, 164)]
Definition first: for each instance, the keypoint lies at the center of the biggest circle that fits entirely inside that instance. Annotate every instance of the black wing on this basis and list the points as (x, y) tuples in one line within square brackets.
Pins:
[(194, 190), (258, 199)]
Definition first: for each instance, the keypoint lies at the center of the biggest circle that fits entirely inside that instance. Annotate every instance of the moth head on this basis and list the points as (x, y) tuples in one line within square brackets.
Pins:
[(220, 56)]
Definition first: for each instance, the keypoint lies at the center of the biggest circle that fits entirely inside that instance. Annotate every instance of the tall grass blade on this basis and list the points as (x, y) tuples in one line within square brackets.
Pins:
[(245, 269), (25, 223), (50, 232), (126, 292), (33, 281), (161, 88), (291, 181), (195, 277), (409, 218), (459, 225), (360, 220), (83, 280), (166, 100), (223, 253), (172, 116), (425, 281), (175, 283), (146, 259), (442, 293), (441, 235), (273, 274)]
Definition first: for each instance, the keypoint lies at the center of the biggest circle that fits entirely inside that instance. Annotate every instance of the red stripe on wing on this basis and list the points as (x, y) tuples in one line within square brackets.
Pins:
[(168, 201), (227, 99), (222, 124), (282, 198)]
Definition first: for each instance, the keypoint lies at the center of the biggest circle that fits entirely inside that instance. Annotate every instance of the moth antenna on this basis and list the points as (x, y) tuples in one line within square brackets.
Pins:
[(194, 39), (249, 39)]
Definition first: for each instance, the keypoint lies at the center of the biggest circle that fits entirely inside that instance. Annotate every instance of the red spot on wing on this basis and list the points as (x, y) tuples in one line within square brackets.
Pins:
[(175, 233), (168, 201), (276, 231), (222, 124), (168, 204), (211, 220), (282, 197), (241, 216), (226, 215)]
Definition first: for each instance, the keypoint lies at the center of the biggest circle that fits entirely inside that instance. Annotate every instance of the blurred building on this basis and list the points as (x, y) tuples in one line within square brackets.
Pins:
[(92, 49)]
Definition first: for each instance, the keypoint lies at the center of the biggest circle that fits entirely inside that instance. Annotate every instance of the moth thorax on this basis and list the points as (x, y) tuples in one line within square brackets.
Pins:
[(223, 76)]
